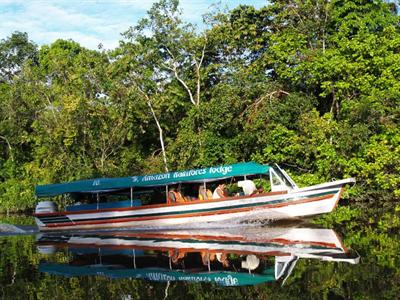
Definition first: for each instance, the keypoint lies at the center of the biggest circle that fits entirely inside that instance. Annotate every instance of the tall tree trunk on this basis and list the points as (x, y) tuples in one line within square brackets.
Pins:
[(335, 107), (9, 147), (160, 131), (161, 135)]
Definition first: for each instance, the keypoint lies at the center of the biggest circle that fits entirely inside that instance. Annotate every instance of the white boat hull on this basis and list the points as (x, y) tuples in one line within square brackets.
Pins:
[(277, 241), (272, 206)]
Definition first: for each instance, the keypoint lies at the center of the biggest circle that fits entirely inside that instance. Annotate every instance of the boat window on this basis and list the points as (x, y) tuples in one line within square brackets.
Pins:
[(277, 183), (285, 177)]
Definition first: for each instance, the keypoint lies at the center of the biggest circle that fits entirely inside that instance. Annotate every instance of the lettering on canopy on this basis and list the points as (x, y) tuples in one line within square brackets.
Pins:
[(195, 174), (152, 177), (224, 280), (189, 173)]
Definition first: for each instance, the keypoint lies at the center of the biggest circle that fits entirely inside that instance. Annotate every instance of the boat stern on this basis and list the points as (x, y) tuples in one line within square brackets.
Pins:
[(43, 207)]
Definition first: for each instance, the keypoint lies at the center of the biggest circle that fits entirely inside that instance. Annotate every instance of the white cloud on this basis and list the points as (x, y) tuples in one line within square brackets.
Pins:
[(84, 22), (88, 22)]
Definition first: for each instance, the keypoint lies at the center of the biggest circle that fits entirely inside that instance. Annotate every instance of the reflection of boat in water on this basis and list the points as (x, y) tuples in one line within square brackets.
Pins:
[(225, 257), (168, 206)]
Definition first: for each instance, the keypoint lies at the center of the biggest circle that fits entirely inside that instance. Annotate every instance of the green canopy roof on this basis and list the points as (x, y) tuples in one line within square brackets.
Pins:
[(109, 184), (223, 278)]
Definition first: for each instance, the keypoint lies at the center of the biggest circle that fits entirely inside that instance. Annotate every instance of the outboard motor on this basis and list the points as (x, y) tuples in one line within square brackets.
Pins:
[(45, 207)]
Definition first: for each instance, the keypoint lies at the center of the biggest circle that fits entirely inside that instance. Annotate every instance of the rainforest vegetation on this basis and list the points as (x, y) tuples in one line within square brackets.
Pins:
[(311, 85)]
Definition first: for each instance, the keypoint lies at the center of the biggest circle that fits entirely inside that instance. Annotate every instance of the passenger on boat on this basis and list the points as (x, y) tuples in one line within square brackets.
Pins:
[(204, 194), (207, 257), (176, 255), (248, 186), (251, 263), (260, 190), (174, 196), (223, 259), (220, 192)]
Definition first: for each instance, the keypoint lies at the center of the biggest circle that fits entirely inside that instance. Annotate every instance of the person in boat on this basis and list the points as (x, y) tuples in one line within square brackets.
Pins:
[(251, 262), (176, 255), (220, 191), (175, 196), (207, 257), (248, 186), (222, 257), (204, 194)]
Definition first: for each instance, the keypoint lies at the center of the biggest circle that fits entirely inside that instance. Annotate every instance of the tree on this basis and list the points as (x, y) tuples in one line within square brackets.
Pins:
[(14, 52), (178, 50), (338, 50)]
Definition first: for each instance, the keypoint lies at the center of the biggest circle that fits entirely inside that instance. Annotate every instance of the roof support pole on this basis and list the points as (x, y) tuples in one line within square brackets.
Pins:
[(208, 262), (100, 258), (98, 200), (134, 258), (131, 196)]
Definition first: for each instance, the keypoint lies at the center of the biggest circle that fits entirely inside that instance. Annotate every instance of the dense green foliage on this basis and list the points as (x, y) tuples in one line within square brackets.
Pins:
[(312, 85)]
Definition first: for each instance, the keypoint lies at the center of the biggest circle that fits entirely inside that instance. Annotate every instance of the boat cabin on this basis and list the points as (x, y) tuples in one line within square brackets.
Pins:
[(166, 188)]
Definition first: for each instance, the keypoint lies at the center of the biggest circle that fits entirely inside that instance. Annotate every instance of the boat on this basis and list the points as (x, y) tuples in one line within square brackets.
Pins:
[(226, 257), (132, 207)]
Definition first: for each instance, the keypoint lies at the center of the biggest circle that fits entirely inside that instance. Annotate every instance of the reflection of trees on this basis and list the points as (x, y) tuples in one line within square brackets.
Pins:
[(376, 277)]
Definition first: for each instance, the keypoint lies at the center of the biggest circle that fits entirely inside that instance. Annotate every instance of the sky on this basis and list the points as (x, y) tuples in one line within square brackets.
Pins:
[(91, 22)]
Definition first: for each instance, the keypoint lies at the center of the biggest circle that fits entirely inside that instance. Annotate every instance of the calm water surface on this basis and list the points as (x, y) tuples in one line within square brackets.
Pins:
[(254, 262)]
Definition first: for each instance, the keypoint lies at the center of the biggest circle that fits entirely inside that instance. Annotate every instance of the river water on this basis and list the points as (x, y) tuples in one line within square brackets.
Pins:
[(280, 261)]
